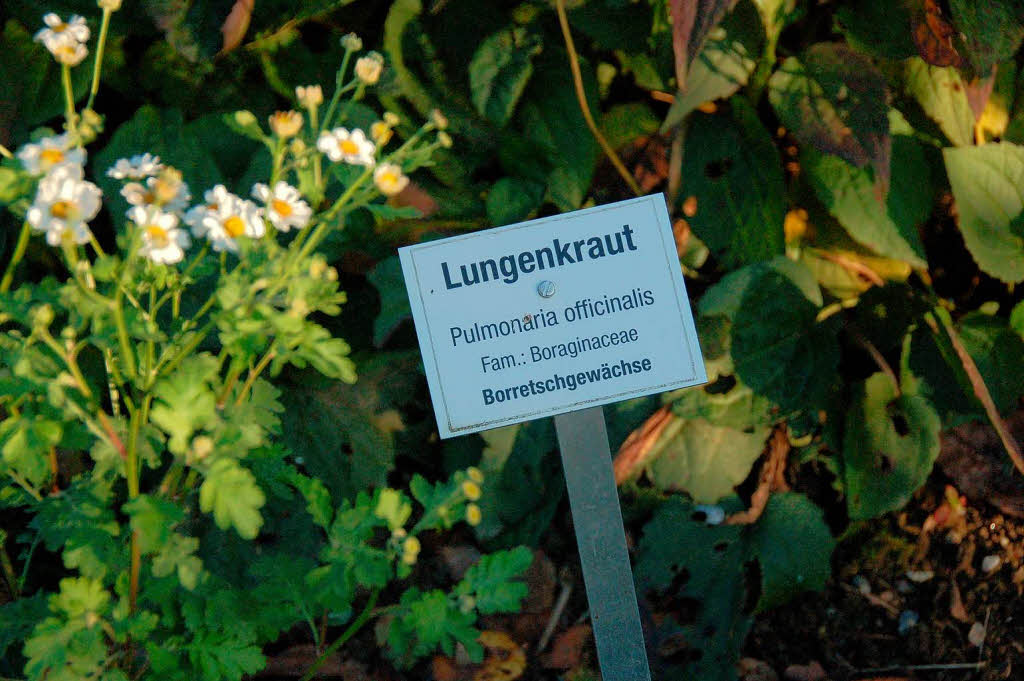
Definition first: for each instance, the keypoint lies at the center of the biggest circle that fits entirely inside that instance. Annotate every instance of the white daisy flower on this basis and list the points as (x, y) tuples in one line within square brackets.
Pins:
[(48, 152), (230, 220), (136, 167), (284, 205), (212, 200), (389, 179), (369, 67), (63, 205), (351, 147), (163, 241), (165, 189), (58, 31)]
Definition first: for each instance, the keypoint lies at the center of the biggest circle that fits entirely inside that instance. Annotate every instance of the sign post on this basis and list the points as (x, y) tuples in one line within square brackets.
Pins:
[(556, 317)]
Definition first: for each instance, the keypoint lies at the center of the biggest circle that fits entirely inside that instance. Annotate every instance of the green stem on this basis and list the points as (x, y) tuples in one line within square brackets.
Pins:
[(352, 630), (317, 167), (97, 65), (337, 93), (8, 569), (131, 466), (122, 334), (19, 253), (254, 374), (185, 351), (70, 116)]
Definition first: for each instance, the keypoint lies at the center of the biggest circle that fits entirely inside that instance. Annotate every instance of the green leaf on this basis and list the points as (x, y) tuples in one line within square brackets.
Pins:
[(80, 595), (14, 185), (725, 297), (152, 519), (25, 444), (185, 401), (624, 123), (732, 168), (499, 71), (721, 68), (997, 352), (220, 656), (877, 27), (386, 277), (513, 199), (778, 347), (1017, 319), (837, 101), (703, 459), (992, 31), (494, 580), (793, 546), (177, 555), (428, 621), (890, 445), (889, 228), (942, 93), (775, 15), (245, 124), (231, 493), (988, 185)]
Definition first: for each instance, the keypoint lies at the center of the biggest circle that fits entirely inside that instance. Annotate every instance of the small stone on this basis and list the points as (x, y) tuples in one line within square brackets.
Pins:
[(713, 515), (919, 576), (991, 563), (976, 636), (861, 584), (908, 620)]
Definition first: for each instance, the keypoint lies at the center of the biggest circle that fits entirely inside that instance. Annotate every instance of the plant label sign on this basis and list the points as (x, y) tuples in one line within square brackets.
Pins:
[(552, 315)]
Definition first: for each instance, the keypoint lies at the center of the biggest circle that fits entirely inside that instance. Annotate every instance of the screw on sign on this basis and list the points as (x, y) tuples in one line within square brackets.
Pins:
[(503, 344)]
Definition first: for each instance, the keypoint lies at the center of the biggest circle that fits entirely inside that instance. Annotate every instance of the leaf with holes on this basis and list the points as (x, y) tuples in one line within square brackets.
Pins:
[(704, 459), (778, 347), (733, 170), (890, 445), (889, 228), (988, 185), (837, 101)]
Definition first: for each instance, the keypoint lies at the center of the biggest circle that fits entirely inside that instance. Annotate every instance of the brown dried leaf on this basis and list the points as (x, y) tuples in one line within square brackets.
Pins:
[(237, 23), (933, 36), (567, 650), (632, 455), (505, 661), (805, 672)]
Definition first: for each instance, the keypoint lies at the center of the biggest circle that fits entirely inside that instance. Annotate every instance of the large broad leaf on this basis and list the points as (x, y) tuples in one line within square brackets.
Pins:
[(836, 100), (693, 575), (551, 118), (793, 545), (942, 94), (499, 71), (386, 277), (733, 170), (512, 199), (722, 67), (704, 459), (880, 28), (890, 444), (778, 347), (988, 185), (992, 31), (889, 228), (692, 21), (725, 297)]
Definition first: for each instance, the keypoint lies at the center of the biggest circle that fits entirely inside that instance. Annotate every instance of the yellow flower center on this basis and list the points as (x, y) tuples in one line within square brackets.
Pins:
[(61, 209), (51, 156), (148, 197), (349, 147), (234, 226), (282, 208), (60, 28), (165, 191), (388, 179), (158, 236), (212, 206)]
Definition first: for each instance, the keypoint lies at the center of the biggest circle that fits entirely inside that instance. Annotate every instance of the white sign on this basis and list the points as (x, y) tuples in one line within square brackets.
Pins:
[(552, 315)]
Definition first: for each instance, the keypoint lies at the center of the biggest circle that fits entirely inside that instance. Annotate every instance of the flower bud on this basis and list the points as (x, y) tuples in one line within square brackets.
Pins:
[(466, 604), (473, 515), (352, 42), (111, 5), (42, 315), (309, 96), (439, 119), (444, 139), (475, 474), (286, 124), (369, 68), (471, 490)]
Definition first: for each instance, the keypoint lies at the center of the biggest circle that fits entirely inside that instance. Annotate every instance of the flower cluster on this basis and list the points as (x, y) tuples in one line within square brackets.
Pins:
[(65, 39)]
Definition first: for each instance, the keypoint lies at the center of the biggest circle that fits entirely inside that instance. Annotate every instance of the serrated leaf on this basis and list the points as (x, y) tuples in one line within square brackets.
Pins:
[(890, 445), (513, 199), (793, 546), (733, 170), (988, 185), (837, 101), (942, 94), (889, 228), (499, 71), (185, 401), (778, 347), (231, 493), (704, 459), (494, 580), (152, 519)]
